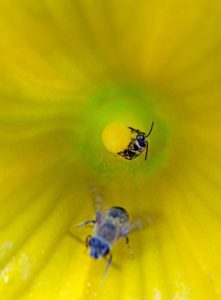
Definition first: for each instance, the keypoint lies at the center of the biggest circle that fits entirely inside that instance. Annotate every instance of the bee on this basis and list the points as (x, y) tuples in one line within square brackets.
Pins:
[(108, 229), (137, 144)]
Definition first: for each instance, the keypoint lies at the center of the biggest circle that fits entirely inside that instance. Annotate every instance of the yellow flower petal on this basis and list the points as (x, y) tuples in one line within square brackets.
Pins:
[(66, 71)]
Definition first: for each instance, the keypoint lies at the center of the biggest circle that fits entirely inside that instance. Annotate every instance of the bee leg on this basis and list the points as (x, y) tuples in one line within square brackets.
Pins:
[(129, 248), (128, 158), (134, 130), (146, 151), (127, 240), (121, 153), (87, 241), (86, 223), (108, 263), (124, 234)]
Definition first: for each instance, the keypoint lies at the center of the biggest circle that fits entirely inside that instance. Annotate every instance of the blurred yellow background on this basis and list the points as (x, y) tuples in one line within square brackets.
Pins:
[(68, 69)]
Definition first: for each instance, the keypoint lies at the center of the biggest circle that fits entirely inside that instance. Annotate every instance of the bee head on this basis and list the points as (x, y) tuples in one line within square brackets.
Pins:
[(141, 137), (98, 247)]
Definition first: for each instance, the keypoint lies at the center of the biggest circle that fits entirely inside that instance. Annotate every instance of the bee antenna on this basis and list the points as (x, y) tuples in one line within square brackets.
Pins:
[(150, 129), (146, 151)]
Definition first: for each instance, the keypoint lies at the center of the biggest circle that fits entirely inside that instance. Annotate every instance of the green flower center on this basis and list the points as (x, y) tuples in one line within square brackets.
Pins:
[(132, 107)]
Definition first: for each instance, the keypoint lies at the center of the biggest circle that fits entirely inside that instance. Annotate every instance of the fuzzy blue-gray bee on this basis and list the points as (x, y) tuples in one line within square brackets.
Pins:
[(108, 229), (137, 144)]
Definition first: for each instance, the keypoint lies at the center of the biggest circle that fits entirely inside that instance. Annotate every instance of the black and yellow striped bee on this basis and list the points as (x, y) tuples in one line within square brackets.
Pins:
[(137, 144)]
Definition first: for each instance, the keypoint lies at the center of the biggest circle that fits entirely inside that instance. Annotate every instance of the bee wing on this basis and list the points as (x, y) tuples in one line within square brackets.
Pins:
[(140, 223), (131, 227), (97, 200)]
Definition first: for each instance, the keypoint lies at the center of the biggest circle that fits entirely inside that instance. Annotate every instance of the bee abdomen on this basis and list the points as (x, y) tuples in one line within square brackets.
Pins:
[(118, 212)]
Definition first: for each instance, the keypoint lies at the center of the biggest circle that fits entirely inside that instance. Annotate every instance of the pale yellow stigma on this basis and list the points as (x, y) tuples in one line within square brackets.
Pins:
[(116, 137)]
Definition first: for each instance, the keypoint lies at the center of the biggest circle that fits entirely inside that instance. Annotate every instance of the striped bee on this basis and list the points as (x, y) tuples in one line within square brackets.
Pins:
[(137, 144)]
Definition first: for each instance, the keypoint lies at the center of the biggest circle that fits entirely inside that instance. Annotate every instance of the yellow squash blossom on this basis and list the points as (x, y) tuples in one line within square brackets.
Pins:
[(69, 69)]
